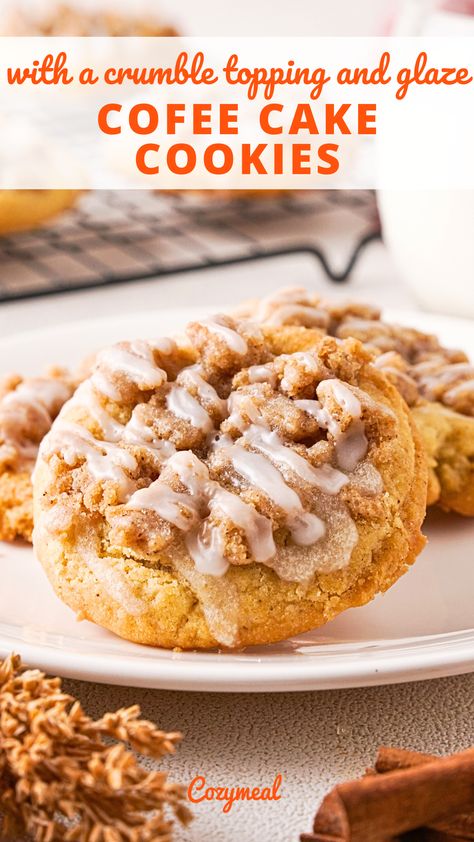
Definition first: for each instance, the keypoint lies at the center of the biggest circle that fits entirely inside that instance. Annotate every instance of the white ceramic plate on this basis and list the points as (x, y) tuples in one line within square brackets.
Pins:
[(422, 628)]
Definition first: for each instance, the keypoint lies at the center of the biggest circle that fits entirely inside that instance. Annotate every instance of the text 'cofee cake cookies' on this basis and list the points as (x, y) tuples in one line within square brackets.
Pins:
[(230, 489), (437, 382)]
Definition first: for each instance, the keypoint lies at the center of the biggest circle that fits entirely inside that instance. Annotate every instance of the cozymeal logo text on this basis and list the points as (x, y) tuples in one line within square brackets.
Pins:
[(199, 791)]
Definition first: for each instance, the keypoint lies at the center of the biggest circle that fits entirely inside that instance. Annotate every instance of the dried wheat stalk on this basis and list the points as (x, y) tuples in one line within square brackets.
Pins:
[(61, 782)]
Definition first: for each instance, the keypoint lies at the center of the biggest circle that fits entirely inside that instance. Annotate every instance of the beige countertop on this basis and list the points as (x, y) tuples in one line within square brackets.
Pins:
[(314, 740)]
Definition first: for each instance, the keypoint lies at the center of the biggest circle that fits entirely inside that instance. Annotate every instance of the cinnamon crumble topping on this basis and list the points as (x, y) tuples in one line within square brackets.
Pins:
[(416, 362), (229, 448)]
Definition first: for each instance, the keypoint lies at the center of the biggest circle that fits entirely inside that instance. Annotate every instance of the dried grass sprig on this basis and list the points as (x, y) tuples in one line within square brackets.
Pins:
[(61, 782)]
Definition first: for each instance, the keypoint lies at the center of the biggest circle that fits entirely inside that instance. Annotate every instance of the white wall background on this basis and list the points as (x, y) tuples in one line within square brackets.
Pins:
[(278, 17)]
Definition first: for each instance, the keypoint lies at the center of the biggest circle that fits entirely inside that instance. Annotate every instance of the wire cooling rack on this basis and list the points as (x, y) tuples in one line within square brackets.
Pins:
[(119, 236)]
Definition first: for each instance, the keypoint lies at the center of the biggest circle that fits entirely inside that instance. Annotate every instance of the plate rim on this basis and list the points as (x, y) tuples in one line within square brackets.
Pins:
[(395, 314), (360, 668)]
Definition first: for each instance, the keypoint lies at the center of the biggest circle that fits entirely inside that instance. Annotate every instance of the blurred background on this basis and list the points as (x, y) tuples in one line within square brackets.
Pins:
[(396, 249), (208, 17)]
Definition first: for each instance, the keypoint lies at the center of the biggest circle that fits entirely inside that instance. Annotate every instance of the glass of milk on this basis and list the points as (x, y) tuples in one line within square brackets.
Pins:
[(430, 233)]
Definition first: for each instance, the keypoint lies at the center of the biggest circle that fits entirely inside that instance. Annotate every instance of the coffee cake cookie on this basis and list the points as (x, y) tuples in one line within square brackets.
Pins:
[(436, 382), (27, 409), (229, 490)]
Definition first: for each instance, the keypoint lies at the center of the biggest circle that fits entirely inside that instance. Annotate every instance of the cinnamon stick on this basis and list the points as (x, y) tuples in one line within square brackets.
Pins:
[(386, 806), (456, 827), (423, 834), (428, 834), (390, 759)]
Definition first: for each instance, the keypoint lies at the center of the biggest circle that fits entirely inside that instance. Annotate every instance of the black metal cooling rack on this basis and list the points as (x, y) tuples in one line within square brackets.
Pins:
[(120, 236)]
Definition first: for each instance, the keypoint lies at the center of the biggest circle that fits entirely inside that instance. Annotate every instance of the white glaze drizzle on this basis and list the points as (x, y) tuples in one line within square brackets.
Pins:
[(184, 406), (387, 360), (192, 377), (175, 507), (135, 360), (104, 386), (351, 444), (46, 395), (137, 433), (23, 398), (234, 341), (320, 414), (307, 316), (105, 460), (190, 512), (86, 396), (42, 396), (206, 547), (292, 375), (204, 544), (342, 395), (259, 472), (358, 323), (262, 374), (287, 295), (256, 527), (164, 345), (443, 376), (242, 410), (326, 478), (465, 387), (393, 364), (306, 528)]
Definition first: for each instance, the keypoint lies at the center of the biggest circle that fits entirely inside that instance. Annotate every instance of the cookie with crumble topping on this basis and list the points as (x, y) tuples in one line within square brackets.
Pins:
[(28, 406), (436, 382), (21, 210), (238, 488)]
